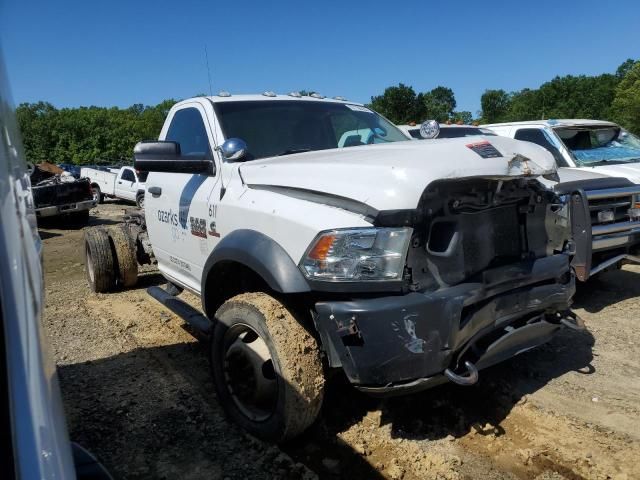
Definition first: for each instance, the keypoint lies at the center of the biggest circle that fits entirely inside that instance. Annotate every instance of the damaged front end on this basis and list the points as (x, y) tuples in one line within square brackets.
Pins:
[(487, 276)]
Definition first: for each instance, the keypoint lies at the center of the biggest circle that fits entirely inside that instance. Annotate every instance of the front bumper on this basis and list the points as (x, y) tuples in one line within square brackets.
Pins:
[(65, 209), (602, 245), (404, 343)]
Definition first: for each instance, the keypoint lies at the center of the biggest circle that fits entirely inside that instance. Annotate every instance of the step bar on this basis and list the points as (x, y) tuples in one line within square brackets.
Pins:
[(201, 324)]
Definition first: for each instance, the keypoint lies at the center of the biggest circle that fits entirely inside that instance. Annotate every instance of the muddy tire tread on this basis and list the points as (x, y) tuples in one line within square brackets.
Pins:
[(298, 358), (97, 240), (124, 256)]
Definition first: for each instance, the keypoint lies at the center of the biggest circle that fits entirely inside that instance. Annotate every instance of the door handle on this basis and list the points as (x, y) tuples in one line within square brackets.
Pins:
[(155, 191), (120, 183)]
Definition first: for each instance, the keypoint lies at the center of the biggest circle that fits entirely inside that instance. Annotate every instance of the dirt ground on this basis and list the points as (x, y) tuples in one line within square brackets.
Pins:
[(138, 394)]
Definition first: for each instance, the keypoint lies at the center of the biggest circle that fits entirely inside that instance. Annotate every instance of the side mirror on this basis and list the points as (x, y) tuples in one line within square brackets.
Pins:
[(163, 156), (233, 149), (430, 129)]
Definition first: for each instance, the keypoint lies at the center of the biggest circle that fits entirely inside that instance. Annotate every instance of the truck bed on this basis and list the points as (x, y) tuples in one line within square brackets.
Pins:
[(58, 197)]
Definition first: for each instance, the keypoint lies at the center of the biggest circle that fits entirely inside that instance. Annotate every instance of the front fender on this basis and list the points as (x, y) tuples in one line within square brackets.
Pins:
[(261, 254)]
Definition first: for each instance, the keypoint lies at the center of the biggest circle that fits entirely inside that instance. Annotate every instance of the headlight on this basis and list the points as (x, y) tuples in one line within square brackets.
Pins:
[(357, 254)]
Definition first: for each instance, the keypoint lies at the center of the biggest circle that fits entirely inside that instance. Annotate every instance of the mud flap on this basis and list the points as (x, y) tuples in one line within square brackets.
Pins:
[(580, 228)]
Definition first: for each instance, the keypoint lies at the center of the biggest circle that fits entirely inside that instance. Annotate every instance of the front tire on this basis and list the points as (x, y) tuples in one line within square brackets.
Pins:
[(140, 200), (266, 367)]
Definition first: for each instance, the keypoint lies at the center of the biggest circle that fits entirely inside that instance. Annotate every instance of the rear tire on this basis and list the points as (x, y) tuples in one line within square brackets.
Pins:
[(266, 367), (99, 261), (124, 255)]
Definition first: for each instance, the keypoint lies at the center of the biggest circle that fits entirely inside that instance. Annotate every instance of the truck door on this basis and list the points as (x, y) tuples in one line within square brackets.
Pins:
[(126, 185), (176, 204)]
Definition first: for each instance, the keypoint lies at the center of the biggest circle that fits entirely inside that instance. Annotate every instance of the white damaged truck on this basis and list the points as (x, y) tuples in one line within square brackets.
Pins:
[(405, 264)]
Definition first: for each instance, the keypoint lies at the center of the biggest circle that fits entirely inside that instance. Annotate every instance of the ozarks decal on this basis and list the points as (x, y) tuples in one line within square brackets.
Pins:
[(198, 227), (186, 197), (168, 216), (212, 230)]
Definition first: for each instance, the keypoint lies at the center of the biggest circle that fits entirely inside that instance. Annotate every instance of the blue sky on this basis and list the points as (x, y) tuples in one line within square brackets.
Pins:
[(123, 52)]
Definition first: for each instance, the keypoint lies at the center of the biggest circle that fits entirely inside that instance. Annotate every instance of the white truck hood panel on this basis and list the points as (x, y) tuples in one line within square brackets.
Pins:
[(393, 176), (629, 170)]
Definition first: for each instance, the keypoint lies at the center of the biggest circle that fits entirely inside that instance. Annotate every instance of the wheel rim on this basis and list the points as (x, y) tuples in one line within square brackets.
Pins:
[(90, 266), (96, 194), (249, 373), (141, 202)]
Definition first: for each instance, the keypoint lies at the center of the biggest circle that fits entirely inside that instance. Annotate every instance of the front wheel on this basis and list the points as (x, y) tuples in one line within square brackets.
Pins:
[(140, 200), (266, 367)]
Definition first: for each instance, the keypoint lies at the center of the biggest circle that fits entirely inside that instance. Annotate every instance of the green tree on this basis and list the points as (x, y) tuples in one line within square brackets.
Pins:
[(495, 106), (399, 104), (464, 117), (87, 134), (438, 104), (624, 67), (625, 108)]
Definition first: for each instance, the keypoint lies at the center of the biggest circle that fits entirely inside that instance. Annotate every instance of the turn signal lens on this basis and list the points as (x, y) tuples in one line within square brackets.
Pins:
[(322, 247)]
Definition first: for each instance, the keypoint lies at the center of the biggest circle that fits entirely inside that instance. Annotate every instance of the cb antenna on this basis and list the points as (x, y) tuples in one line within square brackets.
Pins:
[(206, 56)]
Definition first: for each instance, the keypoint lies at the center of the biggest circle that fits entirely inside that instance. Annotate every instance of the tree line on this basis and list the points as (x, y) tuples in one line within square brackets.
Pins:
[(87, 135)]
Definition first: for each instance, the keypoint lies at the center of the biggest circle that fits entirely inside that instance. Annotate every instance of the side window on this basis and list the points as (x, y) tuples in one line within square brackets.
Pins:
[(537, 136), (187, 128), (128, 176)]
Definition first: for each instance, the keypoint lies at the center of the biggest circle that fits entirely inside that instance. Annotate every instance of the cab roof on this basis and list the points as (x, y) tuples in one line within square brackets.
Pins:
[(567, 122), (271, 97), (442, 125)]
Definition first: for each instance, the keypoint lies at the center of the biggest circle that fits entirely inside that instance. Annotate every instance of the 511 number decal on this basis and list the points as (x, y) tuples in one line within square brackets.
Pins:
[(213, 211)]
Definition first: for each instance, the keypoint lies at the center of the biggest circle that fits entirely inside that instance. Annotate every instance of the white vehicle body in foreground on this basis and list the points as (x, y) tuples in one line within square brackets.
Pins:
[(123, 183), (614, 203), (33, 430), (314, 228)]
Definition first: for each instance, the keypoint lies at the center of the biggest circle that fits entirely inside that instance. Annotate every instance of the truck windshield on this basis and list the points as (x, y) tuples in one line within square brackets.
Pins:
[(272, 128), (599, 146)]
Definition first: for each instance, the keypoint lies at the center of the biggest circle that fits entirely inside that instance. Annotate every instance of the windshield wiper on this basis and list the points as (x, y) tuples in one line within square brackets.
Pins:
[(612, 162), (294, 150)]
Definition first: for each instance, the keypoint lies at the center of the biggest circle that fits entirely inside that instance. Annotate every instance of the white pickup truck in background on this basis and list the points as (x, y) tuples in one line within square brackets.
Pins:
[(124, 183)]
